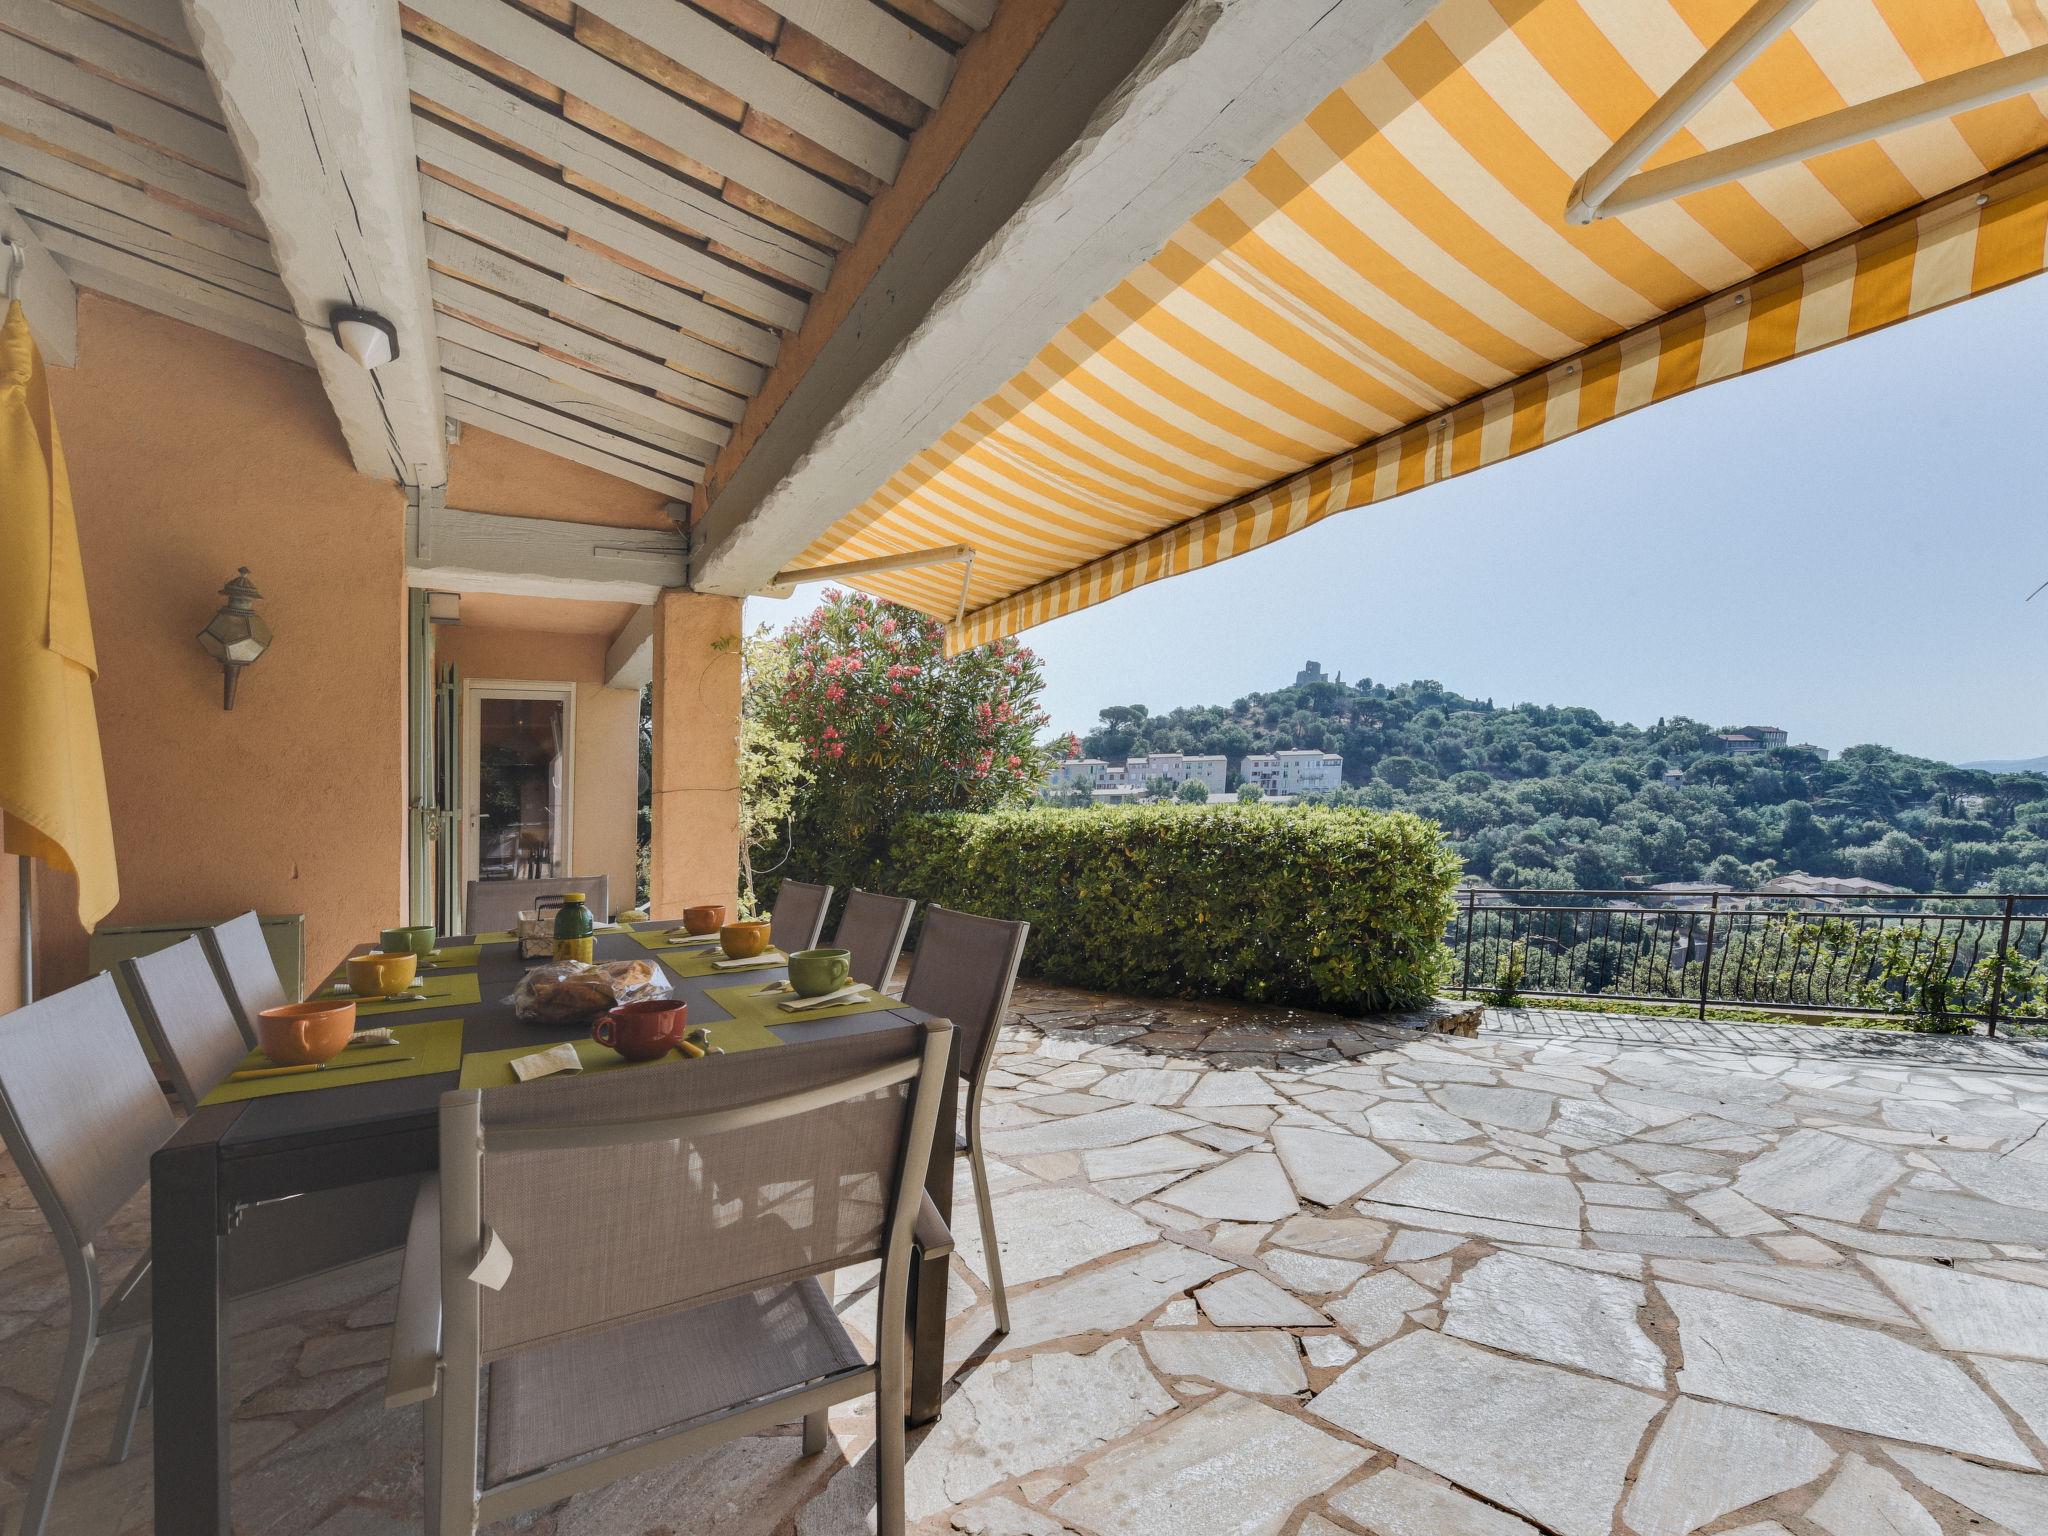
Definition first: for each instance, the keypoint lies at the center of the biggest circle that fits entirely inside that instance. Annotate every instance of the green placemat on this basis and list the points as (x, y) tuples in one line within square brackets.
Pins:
[(433, 1046), (658, 938), (704, 962), (456, 957), (444, 989), (501, 937), (493, 1069), (747, 1005)]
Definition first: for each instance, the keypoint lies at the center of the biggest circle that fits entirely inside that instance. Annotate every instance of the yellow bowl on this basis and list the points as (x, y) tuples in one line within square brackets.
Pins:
[(742, 941), (382, 972)]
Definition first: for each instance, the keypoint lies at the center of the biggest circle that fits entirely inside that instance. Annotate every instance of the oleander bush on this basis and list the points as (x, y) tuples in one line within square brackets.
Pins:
[(1341, 910)]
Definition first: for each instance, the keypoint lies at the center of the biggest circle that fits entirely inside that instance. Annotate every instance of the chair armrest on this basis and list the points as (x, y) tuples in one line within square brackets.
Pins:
[(414, 1372), (931, 1235)]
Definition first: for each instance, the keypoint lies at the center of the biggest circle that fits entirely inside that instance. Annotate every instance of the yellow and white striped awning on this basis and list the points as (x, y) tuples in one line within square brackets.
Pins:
[(1392, 296)]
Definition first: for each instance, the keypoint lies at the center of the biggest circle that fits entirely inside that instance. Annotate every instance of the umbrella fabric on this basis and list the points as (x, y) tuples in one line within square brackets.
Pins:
[(53, 789)]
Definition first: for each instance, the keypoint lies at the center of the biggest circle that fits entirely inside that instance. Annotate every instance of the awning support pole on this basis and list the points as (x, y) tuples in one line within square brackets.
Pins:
[(1760, 26)]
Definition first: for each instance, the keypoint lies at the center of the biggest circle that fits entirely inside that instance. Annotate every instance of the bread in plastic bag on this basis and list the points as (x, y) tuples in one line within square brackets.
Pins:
[(570, 992)]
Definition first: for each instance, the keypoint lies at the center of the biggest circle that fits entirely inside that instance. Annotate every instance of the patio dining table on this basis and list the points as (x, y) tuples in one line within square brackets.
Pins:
[(229, 1156)]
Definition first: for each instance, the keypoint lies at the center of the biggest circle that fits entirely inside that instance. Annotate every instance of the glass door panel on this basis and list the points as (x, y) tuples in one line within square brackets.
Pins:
[(518, 746)]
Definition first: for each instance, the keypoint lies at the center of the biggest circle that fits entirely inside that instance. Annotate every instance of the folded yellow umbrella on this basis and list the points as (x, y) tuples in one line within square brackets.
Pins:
[(53, 788)]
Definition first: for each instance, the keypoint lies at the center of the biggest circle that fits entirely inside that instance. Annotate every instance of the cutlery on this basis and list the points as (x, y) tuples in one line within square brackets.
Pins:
[(250, 1074)]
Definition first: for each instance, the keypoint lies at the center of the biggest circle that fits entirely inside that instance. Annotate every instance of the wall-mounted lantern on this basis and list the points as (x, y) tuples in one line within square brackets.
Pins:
[(235, 636)]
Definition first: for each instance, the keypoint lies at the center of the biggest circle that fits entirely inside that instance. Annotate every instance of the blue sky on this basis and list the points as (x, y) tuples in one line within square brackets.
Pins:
[(1840, 545)]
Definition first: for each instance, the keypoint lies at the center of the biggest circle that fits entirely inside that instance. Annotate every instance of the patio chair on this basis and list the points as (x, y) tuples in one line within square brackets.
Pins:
[(871, 931), (614, 1271), (965, 969), (185, 1012), (799, 916), (80, 1112), (494, 905), (242, 964)]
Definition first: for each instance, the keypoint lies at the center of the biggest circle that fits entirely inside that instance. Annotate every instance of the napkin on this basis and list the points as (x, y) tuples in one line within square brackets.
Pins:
[(854, 993), (771, 958), (680, 939), (373, 1037), (558, 1058)]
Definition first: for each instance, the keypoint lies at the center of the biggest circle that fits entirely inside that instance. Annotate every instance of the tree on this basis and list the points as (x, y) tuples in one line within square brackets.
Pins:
[(1161, 787), (772, 768), (1192, 792), (889, 725), (1250, 794)]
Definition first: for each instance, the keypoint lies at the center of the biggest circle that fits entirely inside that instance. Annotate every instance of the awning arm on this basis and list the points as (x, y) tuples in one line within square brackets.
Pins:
[(1760, 26), (1614, 185), (787, 581)]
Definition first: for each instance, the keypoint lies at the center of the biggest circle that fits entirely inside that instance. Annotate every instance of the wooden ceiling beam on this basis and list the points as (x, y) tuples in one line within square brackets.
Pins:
[(572, 400), (315, 98), (143, 165), (593, 352), (877, 41), (534, 45), (1118, 126), (567, 208), (686, 430), (602, 162), (456, 209), (562, 447), (692, 361)]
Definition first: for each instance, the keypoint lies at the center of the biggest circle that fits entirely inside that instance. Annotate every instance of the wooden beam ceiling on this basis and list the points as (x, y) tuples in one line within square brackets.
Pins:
[(612, 214), (114, 155), (314, 95)]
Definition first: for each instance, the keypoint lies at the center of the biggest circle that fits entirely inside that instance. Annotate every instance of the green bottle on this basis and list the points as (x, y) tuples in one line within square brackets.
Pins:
[(575, 933)]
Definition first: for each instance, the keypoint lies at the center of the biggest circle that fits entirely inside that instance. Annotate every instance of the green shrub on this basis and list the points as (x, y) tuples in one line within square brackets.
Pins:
[(1344, 910)]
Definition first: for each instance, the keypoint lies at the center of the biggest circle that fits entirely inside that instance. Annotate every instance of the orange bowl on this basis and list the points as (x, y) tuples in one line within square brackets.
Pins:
[(302, 1033), (382, 972), (743, 941), (706, 919)]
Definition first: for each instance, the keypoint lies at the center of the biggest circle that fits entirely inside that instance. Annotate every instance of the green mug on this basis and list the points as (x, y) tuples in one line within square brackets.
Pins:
[(419, 938), (814, 972)]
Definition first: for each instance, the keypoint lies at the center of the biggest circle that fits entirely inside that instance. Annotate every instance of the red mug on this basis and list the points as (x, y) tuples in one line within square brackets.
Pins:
[(643, 1031)]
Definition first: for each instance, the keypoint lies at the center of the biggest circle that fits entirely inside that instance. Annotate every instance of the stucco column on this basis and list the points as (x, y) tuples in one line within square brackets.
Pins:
[(696, 767)]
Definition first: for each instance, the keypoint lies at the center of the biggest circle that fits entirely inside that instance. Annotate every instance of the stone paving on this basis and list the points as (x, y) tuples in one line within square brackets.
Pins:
[(1324, 1280)]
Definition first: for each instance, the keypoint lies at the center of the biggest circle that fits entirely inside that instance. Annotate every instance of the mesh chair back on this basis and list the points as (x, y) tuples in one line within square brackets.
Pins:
[(80, 1109), (181, 1005), (964, 970), (653, 1221), (244, 969), (871, 930), (799, 916), (494, 905)]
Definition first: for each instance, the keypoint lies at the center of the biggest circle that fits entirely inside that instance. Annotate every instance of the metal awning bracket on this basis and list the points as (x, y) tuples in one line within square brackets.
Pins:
[(786, 582)]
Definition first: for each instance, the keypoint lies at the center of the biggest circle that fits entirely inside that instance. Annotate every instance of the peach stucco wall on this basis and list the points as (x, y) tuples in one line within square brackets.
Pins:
[(190, 455), (605, 804)]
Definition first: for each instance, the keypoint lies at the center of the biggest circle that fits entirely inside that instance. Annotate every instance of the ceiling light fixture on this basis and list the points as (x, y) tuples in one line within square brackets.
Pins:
[(364, 335)]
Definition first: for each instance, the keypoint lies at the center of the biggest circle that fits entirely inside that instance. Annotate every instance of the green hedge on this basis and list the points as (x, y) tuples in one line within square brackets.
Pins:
[(1337, 909)]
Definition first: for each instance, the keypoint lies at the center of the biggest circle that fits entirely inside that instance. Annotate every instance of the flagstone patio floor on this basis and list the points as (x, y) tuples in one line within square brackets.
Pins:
[(1384, 1282)]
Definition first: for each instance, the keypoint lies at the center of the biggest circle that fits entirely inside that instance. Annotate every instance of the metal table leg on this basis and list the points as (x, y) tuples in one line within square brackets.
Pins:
[(188, 1319)]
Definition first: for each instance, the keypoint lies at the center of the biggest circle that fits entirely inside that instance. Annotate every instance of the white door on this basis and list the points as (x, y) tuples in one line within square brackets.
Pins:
[(518, 779)]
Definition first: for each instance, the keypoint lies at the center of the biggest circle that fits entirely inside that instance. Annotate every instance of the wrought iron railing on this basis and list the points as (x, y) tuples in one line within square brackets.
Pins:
[(1937, 961)]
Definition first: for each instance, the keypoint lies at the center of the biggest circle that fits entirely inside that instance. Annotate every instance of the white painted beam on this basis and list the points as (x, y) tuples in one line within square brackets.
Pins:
[(314, 95), (877, 41), (48, 298), (143, 164), (459, 551), (629, 659), (1070, 182)]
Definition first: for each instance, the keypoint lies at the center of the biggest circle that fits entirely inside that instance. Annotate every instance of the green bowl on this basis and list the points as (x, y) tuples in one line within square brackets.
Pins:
[(814, 972), (418, 937)]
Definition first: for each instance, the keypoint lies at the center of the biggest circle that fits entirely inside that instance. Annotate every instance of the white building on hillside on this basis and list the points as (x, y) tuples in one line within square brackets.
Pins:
[(1078, 773), (1296, 771), (1209, 772)]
